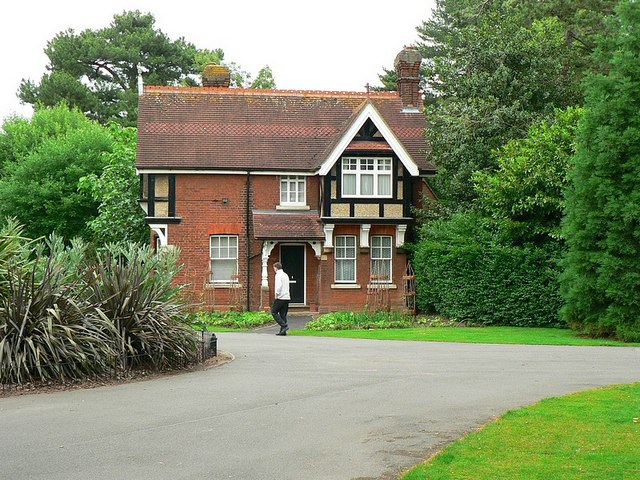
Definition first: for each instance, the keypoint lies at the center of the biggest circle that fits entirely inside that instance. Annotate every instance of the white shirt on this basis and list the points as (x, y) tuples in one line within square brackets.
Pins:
[(282, 286)]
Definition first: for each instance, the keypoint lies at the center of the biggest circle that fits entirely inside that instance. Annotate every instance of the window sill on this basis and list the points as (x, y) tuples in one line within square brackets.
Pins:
[(382, 286), (293, 207), (345, 286), (222, 285)]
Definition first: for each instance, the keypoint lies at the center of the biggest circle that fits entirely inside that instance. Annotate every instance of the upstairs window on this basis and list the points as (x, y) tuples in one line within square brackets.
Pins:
[(224, 258), (366, 177), (293, 190), (381, 259)]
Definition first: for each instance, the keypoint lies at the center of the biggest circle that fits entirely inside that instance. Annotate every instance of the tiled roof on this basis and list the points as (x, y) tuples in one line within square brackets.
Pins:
[(368, 145), (277, 224), (231, 128)]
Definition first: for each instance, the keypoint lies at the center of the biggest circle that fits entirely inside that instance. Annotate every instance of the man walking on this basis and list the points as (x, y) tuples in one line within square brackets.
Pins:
[(280, 305)]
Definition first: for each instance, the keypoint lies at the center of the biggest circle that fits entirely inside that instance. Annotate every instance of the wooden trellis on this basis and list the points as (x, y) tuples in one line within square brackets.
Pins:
[(378, 289), (235, 293), (409, 290)]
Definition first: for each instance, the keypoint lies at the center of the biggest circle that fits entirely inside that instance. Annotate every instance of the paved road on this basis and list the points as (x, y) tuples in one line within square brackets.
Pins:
[(293, 408)]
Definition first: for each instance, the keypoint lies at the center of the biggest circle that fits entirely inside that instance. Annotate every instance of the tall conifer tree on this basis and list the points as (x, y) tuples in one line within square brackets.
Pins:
[(601, 282)]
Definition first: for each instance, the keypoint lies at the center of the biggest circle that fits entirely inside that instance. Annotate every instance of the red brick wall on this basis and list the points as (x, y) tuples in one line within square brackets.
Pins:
[(200, 204), (335, 299)]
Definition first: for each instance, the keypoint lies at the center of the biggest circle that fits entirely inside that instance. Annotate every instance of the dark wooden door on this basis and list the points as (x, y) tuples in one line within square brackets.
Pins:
[(293, 263)]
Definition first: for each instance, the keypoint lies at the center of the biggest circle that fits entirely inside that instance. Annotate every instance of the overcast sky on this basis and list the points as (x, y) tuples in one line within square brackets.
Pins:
[(325, 45)]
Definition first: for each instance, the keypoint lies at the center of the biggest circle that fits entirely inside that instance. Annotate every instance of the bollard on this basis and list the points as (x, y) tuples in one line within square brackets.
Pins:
[(213, 345)]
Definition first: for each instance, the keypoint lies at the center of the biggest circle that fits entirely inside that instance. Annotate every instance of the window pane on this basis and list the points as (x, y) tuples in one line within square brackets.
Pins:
[(223, 270), (345, 270), (366, 184), (366, 164), (384, 184), (380, 271), (384, 164), (349, 164), (349, 184)]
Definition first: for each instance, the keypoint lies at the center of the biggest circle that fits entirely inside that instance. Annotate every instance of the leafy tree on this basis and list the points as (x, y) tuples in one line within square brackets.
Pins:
[(601, 281), (490, 80), (490, 69), (43, 165), (264, 79), (526, 194), (116, 189), (97, 70), (20, 137)]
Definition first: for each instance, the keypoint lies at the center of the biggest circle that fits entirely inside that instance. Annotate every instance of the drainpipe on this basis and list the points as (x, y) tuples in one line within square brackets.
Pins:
[(247, 217)]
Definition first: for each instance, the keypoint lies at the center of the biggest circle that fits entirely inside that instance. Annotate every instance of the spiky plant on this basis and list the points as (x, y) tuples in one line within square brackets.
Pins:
[(11, 242), (132, 288), (47, 331)]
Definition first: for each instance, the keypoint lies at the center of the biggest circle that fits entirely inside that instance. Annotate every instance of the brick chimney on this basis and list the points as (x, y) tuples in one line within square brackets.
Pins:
[(215, 75), (407, 65)]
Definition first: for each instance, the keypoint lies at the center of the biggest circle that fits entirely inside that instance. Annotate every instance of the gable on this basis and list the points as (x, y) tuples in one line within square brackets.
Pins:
[(368, 117)]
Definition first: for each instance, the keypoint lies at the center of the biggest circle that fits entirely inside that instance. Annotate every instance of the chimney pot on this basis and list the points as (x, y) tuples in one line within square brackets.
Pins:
[(407, 65), (215, 75)]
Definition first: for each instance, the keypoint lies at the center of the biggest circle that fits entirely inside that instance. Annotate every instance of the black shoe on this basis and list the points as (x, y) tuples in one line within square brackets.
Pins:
[(283, 331)]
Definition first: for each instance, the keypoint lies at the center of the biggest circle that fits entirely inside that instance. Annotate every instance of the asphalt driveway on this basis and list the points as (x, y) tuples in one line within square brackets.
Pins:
[(293, 408)]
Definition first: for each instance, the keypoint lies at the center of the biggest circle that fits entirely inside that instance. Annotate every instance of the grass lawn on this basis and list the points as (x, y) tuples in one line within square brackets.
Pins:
[(587, 435), (515, 335)]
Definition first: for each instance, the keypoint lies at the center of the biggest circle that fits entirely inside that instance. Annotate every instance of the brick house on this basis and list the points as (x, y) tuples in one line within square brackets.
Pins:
[(321, 181)]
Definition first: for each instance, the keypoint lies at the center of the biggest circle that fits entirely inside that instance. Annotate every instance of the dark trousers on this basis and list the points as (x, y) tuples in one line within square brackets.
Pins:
[(279, 311)]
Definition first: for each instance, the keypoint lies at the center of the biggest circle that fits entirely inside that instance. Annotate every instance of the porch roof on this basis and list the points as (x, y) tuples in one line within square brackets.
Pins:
[(289, 225)]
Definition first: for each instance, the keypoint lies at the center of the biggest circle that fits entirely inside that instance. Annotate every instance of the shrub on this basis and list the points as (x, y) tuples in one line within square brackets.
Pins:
[(47, 331), (471, 277), (131, 287), (230, 319), (66, 314), (360, 321)]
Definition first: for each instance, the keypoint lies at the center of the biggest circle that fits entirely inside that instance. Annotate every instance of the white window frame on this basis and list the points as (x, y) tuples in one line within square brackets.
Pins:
[(299, 184), (228, 250), (377, 167), (376, 256), (339, 253)]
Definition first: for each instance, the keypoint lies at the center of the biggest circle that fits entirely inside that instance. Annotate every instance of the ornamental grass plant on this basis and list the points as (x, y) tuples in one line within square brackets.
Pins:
[(130, 286), (47, 330), (68, 313)]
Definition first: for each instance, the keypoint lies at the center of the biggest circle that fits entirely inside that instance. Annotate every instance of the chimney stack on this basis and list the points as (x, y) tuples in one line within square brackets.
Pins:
[(407, 65), (215, 75)]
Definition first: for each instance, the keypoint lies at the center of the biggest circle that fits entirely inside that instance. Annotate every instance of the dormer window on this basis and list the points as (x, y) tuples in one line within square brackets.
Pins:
[(293, 191), (366, 177)]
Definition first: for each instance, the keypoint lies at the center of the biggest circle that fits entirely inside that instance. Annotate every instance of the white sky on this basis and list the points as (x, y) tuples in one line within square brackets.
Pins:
[(324, 45)]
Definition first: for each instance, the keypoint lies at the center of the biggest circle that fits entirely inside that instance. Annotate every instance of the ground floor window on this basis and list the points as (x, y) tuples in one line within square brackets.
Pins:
[(345, 256), (381, 259), (224, 258)]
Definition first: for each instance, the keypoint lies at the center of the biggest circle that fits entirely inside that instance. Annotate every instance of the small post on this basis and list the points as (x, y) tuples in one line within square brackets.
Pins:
[(213, 345)]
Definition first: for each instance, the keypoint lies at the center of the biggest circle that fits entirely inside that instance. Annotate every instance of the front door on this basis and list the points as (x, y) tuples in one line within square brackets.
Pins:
[(293, 263)]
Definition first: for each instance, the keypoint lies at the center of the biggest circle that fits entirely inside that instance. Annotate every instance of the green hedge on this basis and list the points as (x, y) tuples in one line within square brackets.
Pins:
[(488, 284)]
